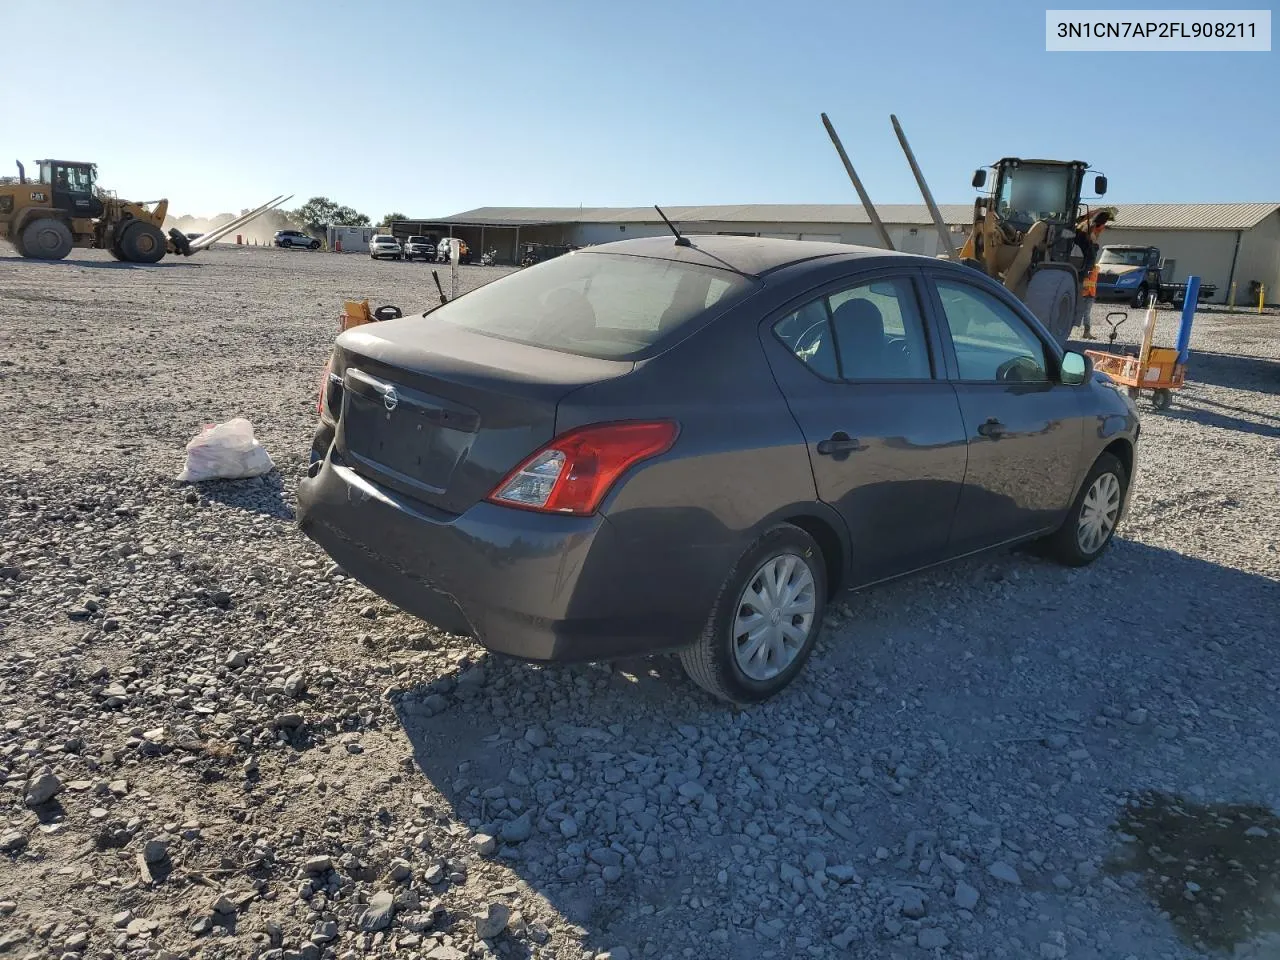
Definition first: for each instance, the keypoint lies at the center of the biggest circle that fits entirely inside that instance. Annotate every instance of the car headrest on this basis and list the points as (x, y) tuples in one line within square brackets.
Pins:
[(859, 324)]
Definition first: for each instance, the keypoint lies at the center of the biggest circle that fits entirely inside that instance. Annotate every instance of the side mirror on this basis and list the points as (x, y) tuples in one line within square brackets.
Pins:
[(1074, 368), (979, 179), (1100, 185)]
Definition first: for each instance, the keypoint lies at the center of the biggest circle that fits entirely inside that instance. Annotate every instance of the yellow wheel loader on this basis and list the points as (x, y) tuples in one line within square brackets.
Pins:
[(1033, 235), (46, 217), (1031, 232)]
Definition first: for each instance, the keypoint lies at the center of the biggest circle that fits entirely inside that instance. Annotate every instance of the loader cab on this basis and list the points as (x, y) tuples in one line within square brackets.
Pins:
[(1029, 190), (72, 187)]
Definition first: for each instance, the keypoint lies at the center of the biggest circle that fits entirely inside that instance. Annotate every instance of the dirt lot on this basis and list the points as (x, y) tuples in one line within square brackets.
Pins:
[(213, 744)]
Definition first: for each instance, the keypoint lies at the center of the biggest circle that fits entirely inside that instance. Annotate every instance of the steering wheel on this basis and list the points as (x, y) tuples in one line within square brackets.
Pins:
[(810, 338), (1017, 370)]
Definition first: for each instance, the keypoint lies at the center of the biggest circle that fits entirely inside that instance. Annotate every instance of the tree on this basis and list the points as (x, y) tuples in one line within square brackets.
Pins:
[(347, 217), (320, 212), (391, 217)]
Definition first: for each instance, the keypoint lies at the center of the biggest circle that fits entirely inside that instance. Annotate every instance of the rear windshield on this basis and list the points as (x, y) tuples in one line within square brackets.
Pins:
[(608, 306)]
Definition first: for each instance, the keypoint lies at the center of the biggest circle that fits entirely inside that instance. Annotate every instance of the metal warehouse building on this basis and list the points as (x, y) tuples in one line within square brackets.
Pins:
[(1224, 243)]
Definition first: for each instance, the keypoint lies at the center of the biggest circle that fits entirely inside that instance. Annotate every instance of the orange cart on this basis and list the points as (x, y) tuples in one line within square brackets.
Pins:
[(1145, 368)]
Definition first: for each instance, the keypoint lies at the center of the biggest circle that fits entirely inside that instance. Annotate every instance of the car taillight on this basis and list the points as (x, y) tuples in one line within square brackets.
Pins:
[(573, 472)]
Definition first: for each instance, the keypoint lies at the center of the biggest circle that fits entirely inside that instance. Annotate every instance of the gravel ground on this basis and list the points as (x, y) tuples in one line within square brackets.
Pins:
[(213, 744)]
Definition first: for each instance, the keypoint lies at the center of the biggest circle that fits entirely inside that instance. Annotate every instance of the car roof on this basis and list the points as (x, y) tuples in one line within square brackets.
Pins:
[(751, 256)]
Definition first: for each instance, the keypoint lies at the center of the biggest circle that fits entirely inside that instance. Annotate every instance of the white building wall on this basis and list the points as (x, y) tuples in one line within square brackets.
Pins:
[(1207, 253), (1259, 260), (354, 239), (926, 237)]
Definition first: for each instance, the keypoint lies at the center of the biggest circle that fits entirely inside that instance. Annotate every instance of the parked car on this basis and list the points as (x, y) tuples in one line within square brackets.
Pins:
[(295, 238), (419, 248), (384, 245), (1133, 274), (644, 446)]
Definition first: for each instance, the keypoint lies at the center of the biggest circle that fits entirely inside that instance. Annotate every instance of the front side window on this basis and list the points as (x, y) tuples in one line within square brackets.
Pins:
[(71, 179), (992, 343), (871, 331)]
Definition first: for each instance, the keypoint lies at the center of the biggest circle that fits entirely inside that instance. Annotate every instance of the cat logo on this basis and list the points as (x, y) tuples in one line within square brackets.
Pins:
[(37, 196)]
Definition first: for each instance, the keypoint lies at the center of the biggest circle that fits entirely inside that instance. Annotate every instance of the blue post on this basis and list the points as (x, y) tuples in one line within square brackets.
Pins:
[(1188, 315)]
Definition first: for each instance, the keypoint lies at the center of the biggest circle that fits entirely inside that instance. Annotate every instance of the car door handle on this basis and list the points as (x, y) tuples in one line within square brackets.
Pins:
[(993, 428), (839, 442)]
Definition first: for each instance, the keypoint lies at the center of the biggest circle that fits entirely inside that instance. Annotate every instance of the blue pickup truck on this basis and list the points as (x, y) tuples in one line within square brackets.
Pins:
[(1134, 274)]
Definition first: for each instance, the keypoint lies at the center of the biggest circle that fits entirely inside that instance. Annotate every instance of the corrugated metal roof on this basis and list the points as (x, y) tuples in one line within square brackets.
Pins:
[(1193, 216), (1137, 216)]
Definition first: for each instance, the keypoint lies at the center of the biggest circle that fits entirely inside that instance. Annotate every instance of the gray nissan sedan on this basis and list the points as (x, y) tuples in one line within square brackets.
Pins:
[(655, 445)]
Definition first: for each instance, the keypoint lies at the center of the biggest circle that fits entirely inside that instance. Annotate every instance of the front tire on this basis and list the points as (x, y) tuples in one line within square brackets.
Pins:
[(142, 242), (1091, 523), (1051, 296), (314, 245), (765, 620), (46, 239), (1139, 301)]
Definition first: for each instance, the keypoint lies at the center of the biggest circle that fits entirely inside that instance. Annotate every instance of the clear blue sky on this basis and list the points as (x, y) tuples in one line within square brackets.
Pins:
[(431, 108)]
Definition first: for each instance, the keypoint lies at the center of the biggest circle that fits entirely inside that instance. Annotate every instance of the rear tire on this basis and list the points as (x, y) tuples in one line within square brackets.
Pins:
[(142, 242), (1051, 296), (1094, 515), (745, 663), (46, 239), (286, 243)]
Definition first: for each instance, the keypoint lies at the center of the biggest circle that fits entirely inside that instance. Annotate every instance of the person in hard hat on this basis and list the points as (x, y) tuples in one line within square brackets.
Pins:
[(1089, 227)]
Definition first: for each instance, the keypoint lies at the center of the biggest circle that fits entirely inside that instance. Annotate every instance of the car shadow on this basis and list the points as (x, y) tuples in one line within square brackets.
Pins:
[(264, 494), (106, 264), (608, 745), (1212, 414), (1240, 372)]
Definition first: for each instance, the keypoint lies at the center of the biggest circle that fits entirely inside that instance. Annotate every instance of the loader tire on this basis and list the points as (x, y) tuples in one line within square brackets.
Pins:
[(46, 239), (1051, 296), (142, 242)]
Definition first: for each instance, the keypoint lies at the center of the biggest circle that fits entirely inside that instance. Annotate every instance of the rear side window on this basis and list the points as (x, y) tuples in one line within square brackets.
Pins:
[(608, 306), (870, 331)]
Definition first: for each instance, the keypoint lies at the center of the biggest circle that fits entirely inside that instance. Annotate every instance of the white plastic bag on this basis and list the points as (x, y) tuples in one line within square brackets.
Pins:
[(227, 451)]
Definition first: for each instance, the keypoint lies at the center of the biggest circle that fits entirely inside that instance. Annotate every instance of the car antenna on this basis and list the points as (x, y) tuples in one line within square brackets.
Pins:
[(436, 276), (680, 241)]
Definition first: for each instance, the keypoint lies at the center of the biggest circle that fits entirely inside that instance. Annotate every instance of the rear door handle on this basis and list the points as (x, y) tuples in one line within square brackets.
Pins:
[(839, 442), (993, 428)]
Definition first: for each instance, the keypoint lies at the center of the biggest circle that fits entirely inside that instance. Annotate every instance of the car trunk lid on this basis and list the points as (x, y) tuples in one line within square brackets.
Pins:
[(442, 414)]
